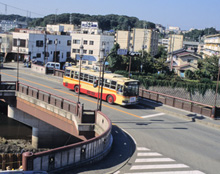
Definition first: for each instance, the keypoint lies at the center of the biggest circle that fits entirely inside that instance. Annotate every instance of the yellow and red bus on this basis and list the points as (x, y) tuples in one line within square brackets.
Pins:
[(116, 88)]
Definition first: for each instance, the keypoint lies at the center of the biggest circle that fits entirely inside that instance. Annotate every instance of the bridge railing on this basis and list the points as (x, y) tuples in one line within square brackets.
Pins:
[(48, 97), (180, 103), (73, 155), (7, 85)]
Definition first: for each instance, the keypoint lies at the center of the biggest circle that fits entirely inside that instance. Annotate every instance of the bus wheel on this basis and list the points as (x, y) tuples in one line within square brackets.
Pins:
[(110, 99), (76, 89)]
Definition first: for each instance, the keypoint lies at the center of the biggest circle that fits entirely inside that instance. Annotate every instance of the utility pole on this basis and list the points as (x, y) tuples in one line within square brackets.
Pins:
[(70, 18), (171, 61), (45, 46)]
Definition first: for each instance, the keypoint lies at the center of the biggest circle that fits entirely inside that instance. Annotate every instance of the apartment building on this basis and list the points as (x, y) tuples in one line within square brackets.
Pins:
[(93, 40), (138, 39), (7, 25), (175, 42), (211, 45), (6, 46), (34, 45)]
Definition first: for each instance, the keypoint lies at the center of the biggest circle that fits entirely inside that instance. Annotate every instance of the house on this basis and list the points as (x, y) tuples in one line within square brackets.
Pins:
[(182, 60)]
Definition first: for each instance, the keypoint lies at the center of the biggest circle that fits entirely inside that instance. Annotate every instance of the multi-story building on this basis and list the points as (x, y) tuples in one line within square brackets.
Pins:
[(42, 47), (161, 28), (6, 45), (175, 42), (60, 28), (164, 42), (8, 25), (93, 40), (138, 39), (211, 45)]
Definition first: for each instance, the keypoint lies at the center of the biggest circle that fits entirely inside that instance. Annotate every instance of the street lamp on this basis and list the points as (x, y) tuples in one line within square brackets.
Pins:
[(47, 54), (0, 58), (55, 42), (18, 44), (103, 71), (101, 57), (80, 61)]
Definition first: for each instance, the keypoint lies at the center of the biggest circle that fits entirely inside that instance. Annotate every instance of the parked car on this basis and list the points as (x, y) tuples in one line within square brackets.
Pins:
[(52, 65)]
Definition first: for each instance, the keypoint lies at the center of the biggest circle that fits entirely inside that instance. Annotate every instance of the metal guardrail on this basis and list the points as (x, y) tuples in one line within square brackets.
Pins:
[(180, 103), (7, 85)]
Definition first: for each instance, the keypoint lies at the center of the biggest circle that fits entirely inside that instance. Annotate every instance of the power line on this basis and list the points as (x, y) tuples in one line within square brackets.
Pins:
[(7, 5)]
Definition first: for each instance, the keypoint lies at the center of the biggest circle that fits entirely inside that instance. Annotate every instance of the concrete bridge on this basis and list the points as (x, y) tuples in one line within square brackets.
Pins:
[(47, 114)]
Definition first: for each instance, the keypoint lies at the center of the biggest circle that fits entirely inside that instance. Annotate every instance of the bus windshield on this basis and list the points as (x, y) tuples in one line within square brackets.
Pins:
[(131, 89)]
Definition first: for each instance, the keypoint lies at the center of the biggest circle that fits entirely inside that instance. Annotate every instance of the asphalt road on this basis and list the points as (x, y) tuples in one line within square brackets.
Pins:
[(163, 143)]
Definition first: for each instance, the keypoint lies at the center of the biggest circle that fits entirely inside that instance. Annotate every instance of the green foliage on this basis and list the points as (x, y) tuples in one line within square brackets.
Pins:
[(195, 35), (106, 22)]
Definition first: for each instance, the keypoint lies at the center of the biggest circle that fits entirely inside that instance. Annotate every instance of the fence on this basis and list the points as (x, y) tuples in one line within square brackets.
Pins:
[(180, 103)]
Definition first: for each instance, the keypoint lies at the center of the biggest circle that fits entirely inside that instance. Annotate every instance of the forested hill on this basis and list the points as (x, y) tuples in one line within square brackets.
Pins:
[(106, 22)]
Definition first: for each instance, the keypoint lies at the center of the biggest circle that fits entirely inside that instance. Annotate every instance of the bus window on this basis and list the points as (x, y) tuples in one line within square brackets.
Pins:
[(113, 84), (72, 74), (76, 75), (86, 77), (81, 76), (90, 79), (67, 73), (107, 83), (119, 88)]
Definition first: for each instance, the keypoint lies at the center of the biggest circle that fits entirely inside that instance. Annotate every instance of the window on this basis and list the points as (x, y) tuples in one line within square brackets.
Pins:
[(39, 43), (84, 51), (85, 42), (38, 55), (68, 42), (89, 62), (90, 51), (107, 83), (113, 85), (76, 76), (86, 77), (83, 62), (75, 41), (90, 79), (189, 60), (72, 74), (103, 43), (50, 42), (67, 73), (91, 42), (76, 50), (81, 76), (67, 54)]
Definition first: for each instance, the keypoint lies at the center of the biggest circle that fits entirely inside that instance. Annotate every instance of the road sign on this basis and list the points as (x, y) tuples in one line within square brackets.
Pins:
[(122, 51)]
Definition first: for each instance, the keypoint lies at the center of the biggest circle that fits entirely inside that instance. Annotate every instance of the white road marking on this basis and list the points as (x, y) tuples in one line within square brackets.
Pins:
[(143, 149), (149, 160), (161, 166), (149, 154), (171, 172), (153, 115)]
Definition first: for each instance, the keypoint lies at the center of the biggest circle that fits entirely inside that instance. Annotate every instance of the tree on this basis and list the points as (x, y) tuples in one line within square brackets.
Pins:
[(209, 67), (115, 61)]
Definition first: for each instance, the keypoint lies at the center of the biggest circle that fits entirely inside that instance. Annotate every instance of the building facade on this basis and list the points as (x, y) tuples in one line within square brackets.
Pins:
[(175, 42), (211, 45), (93, 41), (6, 45), (138, 39), (42, 47)]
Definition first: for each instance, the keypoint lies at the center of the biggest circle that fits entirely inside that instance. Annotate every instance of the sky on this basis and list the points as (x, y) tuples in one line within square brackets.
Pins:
[(187, 14)]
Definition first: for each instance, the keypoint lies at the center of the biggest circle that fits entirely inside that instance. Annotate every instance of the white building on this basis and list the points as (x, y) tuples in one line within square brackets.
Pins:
[(33, 45), (93, 40)]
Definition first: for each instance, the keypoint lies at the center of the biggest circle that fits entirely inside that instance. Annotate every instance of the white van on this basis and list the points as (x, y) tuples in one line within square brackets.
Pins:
[(52, 65)]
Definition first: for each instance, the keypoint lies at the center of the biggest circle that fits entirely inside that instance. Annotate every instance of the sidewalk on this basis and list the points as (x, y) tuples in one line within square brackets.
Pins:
[(198, 118)]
